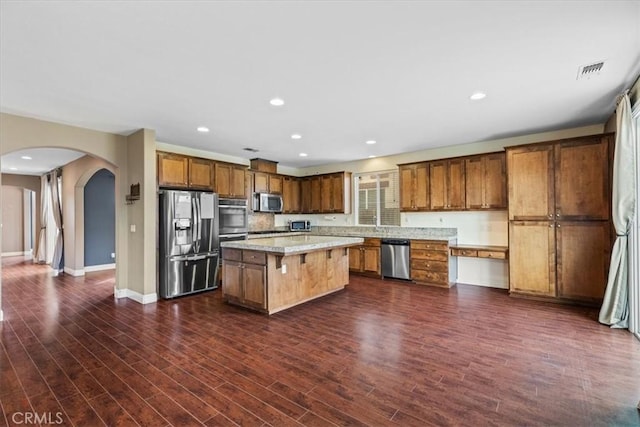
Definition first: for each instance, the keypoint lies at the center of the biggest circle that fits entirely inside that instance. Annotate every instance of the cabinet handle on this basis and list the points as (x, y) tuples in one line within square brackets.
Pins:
[(558, 213), (550, 216), (558, 225), (550, 225)]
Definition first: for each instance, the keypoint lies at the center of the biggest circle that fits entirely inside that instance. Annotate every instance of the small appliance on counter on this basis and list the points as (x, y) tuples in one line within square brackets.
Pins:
[(265, 202), (300, 225)]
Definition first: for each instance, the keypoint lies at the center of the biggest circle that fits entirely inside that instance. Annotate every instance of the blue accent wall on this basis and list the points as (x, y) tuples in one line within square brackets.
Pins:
[(99, 219)]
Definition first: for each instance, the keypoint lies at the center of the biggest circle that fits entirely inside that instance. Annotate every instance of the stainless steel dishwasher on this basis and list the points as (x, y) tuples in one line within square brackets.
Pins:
[(395, 258)]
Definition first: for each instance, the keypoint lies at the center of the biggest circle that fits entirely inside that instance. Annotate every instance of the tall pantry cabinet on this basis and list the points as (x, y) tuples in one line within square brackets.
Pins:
[(559, 220)]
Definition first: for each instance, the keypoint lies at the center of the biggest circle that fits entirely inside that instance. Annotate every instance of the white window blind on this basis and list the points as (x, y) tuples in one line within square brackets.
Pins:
[(377, 201)]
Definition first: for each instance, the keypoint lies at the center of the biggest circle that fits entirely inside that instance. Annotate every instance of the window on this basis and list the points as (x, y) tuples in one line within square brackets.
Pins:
[(377, 201)]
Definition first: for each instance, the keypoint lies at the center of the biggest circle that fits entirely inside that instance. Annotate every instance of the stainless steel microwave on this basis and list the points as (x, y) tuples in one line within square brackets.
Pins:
[(300, 225), (265, 202)]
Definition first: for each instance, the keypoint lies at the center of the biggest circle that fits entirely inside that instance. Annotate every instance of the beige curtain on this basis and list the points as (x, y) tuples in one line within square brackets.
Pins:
[(41, 250), (615, 307), (56, 262)]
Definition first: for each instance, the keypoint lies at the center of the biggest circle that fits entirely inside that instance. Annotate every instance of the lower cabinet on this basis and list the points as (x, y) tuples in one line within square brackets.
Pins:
[(365, 259), (270, 283), (431, 263), (567, 260), (246, 282)]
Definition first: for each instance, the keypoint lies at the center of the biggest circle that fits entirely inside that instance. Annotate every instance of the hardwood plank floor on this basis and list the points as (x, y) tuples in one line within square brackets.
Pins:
[(377, 354)]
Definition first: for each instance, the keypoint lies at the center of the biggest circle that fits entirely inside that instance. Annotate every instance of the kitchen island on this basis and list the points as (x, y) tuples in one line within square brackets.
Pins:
[(276, 273)]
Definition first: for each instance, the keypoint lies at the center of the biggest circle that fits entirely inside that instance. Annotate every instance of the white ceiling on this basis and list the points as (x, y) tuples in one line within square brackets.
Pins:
[(400, 73), (39, 161)]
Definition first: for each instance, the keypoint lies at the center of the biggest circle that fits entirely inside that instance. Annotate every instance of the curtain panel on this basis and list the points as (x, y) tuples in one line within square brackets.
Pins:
[(56, 262), (41, 249), (615, 306)]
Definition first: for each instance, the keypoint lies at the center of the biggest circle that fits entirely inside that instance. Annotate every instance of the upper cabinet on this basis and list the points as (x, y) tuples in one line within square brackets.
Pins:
[(414, 187), (457, 184), (267, 183), (230, 180), (178, 171), (446, 184), (548, 181), (486, 182), (291, 195)]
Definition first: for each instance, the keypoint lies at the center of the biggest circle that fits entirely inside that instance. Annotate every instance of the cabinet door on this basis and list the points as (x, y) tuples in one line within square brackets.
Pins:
[(421, 187), (337, 193), (337, 268), (531, 183), (223, 179), (455, 193), (232, 279), (260, 182), (276, 182), (316, 195), (355, 258), (438, 184), (406, 174), (238, 182), (582, 179), (201, 174), (325, 194), (291, 195), (495, 181), (532, 259), (305, 195), (173, 170), (474, 176), (255, 284), (583, 252), (371, 260)]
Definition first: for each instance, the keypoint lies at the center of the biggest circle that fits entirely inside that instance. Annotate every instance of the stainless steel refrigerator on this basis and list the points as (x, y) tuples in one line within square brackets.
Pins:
[(188, 242)]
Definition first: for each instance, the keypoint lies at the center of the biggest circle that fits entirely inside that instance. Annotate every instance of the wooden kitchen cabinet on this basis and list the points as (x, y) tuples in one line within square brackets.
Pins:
[(447, 184), (260, 182), (184, 172), (276, 184), (414, 187), (431, 263), (305, 195), (326, 202), (316, 194), (173, 170), (365, 259), (230, 180), (559, 230), (486, 182), (244, 278), (291, 195)]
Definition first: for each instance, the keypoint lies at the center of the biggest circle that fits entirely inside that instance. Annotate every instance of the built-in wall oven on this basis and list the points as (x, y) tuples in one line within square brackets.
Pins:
[(233, 218)]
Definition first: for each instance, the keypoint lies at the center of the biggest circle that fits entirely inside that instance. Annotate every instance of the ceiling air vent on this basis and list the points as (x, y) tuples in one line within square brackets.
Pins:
[(251, 150), (590, 70)]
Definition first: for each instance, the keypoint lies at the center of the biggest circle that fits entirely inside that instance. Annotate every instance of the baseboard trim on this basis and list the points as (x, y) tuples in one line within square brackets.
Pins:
[(136, 296), (73, 272), (92, 268), (8, 254)]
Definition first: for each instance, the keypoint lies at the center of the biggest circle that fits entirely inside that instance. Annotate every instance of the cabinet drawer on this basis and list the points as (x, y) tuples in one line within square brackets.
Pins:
[(430, 255), (232, 254), (424, 264), (429, 245), (370, 241), (492, 254), (464, 252), (430, 276), (254, 257)]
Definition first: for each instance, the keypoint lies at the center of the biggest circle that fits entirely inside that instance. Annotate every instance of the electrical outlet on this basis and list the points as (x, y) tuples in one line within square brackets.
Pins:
[(284, 268), (113, 255)]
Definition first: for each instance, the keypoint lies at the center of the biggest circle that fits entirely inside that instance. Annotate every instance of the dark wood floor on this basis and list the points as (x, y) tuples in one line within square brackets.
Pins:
[(378, 353)]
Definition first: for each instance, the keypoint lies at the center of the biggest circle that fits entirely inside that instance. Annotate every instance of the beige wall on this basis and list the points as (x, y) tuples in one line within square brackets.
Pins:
[(32, 183), (13, 220), (75, 176), (18, 133), (142, 214)]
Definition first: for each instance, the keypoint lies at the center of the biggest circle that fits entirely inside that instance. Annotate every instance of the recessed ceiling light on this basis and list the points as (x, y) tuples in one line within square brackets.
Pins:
[(371, 156), (371, 142), (303, 154), (26, 157), (203, 129), (277, 102), (296, 136), (13, 169), (477, 96)]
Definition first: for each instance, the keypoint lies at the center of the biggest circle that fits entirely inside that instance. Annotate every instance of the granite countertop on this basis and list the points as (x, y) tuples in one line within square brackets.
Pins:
[(289, 245), (426, 233)]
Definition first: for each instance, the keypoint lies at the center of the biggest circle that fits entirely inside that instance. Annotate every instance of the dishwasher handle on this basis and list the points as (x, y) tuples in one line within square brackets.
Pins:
[(395, 242)]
